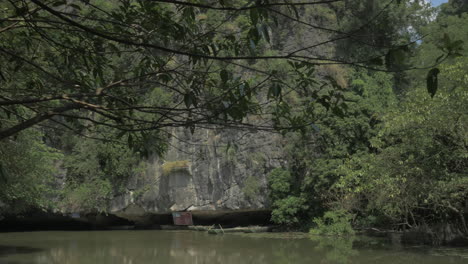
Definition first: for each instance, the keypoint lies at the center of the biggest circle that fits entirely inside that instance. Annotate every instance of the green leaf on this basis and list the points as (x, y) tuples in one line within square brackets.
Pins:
[(187, 100), (432, 81), (296, 12), (115, 49), (3, 173), (446, 40), (75, 6), (254, 35), (338, 111), (266, 35), (376, 61), (59, 3), (456, 44), (2, 76), (121, 133), (164, 77), (224, 74), (21, 11), (130, 140), (275, 90), (254, 16), (252, 47)]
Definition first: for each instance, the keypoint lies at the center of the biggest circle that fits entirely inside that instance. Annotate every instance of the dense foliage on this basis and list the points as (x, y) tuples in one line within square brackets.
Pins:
[(399, 157), (27, 167)]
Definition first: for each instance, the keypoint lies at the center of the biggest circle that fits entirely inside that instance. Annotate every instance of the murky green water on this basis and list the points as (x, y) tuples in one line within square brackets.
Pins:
[(163, 247)]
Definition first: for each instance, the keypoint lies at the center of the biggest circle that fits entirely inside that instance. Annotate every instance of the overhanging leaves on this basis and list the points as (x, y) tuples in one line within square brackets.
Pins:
[(432, 81)]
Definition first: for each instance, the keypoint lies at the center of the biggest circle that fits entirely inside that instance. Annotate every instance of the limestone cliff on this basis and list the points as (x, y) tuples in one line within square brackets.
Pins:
[(207, 171)]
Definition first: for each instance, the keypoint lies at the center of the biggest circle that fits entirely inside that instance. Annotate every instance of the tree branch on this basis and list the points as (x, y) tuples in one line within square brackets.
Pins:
[(227, 8), (4, 133)]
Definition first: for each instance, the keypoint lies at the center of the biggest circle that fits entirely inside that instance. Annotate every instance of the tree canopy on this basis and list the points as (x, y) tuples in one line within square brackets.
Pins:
[(140, 66)]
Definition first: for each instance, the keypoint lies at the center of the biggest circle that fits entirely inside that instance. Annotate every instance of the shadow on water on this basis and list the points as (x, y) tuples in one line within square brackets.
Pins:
[(13, 250), (6, 251)]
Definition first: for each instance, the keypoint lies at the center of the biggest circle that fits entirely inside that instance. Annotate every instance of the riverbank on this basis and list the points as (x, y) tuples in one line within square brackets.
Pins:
[(442, 234), (439, 235)]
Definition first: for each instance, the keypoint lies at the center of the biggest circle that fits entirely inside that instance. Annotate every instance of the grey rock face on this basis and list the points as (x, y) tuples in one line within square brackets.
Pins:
[(210, 170)]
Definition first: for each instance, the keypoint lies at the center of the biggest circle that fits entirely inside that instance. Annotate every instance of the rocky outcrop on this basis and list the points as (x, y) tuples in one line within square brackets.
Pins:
[(211, 170)]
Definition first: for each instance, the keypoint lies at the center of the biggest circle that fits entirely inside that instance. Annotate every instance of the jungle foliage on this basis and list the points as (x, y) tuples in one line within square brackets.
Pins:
[(399, 157)]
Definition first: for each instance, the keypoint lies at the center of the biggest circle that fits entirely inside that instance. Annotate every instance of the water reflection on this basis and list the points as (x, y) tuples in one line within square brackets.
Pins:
[(163, 247), (338, 250)]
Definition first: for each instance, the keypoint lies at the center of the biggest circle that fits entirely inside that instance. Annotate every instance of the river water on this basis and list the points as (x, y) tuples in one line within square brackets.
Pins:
[(163, 247)]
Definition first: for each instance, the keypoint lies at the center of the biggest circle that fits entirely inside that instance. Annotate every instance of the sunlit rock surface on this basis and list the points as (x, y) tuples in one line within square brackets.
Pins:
[(207, 171)]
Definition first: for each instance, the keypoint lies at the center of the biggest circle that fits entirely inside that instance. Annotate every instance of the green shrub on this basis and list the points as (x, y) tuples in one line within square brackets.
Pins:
[(279, 184), (171, 166), (285, 205), (332, 223), (251, 187), (88, 197), (285, 211)]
